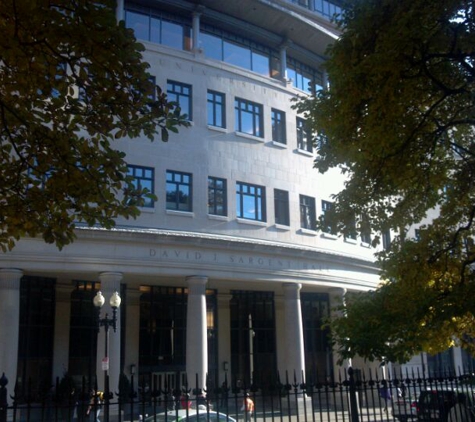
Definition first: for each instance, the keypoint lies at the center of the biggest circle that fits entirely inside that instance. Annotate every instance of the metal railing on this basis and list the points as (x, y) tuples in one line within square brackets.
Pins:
[(355, 396)]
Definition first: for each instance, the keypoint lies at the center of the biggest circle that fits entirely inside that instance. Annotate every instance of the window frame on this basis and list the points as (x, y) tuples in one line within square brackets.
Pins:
[(148, 202), (255, 111), (245, 190), (307, 206), (215, 105), (178, 184), (279, 132), (281, 206), (218, 192), (176, 95), (304, 138), (326, 206)]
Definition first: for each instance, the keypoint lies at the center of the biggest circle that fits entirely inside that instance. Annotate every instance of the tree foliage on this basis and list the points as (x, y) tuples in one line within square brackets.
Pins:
[(72, 80), (398, 119)]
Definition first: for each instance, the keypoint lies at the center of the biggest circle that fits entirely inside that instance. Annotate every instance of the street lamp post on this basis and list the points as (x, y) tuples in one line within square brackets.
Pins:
[(106, 322)]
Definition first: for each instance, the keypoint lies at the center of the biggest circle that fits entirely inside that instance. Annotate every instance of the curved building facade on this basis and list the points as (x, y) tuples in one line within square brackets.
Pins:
[(225, 274)]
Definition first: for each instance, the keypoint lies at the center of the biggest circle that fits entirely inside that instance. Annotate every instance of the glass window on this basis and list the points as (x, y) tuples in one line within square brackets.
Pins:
[(365, 230), (253, 337), (308, 219), (159, 28), (140, 23), (260, 63), (36, 336), (155, 30), (216, 109), (250, 201), (217, 196), (318, 349), (386, 239), (172, 35), (179, 191), (304, 140), (351, 228), (248, 117), (143, 179), (212, 46), (181, 93), (278, 126), (327, 206), (236, 55), (281, 207)]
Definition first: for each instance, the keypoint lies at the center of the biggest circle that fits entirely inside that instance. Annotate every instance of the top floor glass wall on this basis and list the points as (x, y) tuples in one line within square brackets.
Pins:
[(327, 9), (176, 32)]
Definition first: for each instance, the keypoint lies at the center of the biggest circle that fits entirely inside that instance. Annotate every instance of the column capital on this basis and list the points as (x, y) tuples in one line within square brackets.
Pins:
[(197, 279), (110, 276), (10, 278), (224, 298), (292, 290)]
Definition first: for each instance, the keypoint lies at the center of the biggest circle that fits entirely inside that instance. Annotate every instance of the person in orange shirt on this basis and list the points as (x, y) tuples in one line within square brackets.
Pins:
[(248, 408)]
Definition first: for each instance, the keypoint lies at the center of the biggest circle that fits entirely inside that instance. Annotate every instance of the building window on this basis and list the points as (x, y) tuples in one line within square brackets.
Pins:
[(216, 109), (308, 219), (281, 206), (217, 196), (160, 28), (143, 179), (248, 117), (386, 235), (278, 126), (304, 140), (36, 335), (253, 337), (365, 230), (303, 77), (351, 228), (318, 348), (180, 93), (250, 201), (235, 50), (179, 190), (327, 226)]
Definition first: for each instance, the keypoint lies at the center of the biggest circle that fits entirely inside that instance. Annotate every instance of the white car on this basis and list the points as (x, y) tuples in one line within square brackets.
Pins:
[(190, 415)]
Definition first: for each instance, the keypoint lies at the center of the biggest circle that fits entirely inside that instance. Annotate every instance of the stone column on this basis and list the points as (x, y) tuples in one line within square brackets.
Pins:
[(458, 361), (196, 332), (10, 324), (119, 11), (110, 283), (295, 352), (132, 333), (62, 325), (224, 337), (196, 28), (337, 299)]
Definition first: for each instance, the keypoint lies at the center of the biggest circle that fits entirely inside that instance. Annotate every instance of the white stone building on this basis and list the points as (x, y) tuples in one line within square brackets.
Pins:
[(225, 273)]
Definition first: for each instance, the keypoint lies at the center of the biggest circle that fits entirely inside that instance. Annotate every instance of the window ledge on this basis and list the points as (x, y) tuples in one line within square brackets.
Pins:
[(351, 241), (282, 227), (279, 144), (181, 213), (304, 152), (308, 232), (149, 210), (247, 136), (251, 222), (329, 236), (218, 217), (217, 128), (365, 245)]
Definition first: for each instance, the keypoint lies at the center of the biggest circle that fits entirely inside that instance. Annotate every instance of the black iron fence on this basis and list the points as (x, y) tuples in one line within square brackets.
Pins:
[(355, 396)]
